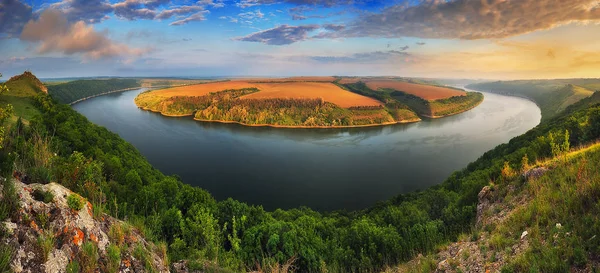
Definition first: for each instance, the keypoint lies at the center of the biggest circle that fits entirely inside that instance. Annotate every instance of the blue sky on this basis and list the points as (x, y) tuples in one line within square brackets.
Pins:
[(430, 38)]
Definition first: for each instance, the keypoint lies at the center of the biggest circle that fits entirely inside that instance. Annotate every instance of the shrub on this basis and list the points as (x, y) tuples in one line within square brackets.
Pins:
[(43, 219), (72, 267), (143, 256), (116, 234), (9, 203), (89, 257), (74, 201), (46, 243), (40, 175), (42, 196), (114, 258), (6, 255)]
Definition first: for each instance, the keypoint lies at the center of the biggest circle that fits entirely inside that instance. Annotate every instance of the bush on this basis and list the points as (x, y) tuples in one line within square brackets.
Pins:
[(6, 255), (9, 203), (40, 175), (74, 201), (116, 234), (89, 257), (46, 243), (42, 196), (72, 267), (141, 254), (114, 258)]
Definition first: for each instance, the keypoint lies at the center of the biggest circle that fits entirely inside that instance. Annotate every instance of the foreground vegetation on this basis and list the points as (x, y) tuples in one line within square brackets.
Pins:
[(63, 146)]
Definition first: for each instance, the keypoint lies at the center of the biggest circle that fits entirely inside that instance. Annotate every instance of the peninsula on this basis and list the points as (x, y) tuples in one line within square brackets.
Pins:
[(310, 102)]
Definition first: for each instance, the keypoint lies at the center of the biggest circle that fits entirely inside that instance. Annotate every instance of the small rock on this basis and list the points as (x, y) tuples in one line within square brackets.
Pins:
[(535, 173), (443, 265), (524, 234)]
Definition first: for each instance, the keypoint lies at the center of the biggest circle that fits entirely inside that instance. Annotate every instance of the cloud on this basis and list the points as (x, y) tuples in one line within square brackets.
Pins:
[(135, 9), (421, 43), (333, 27), (212, 3), (404, 48), (54, 33), (11, 23), (298, 17), (323, 3), (168, 13), (249, 16), (365, 57), (90, 11), (281, 35), (198, 16), (472, 19)]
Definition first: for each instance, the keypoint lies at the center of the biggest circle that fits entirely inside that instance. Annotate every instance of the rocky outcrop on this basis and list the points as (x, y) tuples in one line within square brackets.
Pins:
[(33, 79), (51, 236)]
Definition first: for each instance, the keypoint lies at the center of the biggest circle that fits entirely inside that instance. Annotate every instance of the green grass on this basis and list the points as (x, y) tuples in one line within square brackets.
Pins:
[(113, 260), (46, 243), (578, 93), (19, 95), (568, 194), (22, 107), (88, 257), (6, 255)]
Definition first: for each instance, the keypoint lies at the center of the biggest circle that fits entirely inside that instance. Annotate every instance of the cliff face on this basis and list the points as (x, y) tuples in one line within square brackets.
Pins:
[(48, 235)]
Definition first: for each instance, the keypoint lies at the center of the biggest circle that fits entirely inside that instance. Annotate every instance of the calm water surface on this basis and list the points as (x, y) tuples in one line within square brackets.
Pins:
[(324, 169)]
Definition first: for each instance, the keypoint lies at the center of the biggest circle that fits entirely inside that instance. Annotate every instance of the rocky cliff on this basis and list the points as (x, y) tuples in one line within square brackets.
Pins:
[(50, 234)]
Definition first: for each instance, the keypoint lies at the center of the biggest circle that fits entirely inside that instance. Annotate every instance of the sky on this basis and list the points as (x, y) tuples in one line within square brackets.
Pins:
[(476, 39)]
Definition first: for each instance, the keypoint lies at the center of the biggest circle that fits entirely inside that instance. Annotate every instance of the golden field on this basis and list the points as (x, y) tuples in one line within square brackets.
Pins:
[(329, 92), (428, 92)]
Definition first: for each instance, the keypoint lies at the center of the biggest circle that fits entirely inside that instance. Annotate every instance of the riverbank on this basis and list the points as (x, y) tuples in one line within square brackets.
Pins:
[(456, 113)]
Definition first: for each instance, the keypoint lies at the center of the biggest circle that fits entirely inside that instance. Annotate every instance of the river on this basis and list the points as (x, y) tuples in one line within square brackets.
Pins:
[(324, 169)]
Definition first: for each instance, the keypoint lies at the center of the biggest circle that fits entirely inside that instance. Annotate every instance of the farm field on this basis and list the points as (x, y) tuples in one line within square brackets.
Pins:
[(309, 101), (428, 92), (296, 90), (291, 79), (307, 90)]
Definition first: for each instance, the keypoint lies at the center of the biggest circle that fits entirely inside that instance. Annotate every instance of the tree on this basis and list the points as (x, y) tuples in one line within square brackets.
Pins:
[(5, 112)]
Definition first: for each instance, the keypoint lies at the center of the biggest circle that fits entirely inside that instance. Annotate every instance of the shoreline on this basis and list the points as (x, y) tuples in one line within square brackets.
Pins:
[(418, 119), (308, 127), (282, 126), (448, 115)]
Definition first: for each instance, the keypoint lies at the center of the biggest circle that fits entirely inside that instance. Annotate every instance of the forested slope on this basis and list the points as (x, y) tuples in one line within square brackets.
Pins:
[(115, 177), (75, 90), (552, 96)]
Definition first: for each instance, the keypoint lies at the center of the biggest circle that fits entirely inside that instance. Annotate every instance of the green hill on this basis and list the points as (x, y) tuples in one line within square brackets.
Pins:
[(63, 146), (552, 96), (80, 89), (22, 88)]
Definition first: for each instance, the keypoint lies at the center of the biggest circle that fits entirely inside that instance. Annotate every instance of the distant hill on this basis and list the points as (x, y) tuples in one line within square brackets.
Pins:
[(70, 92), (552, 96), (25, 85), (22, 88)]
